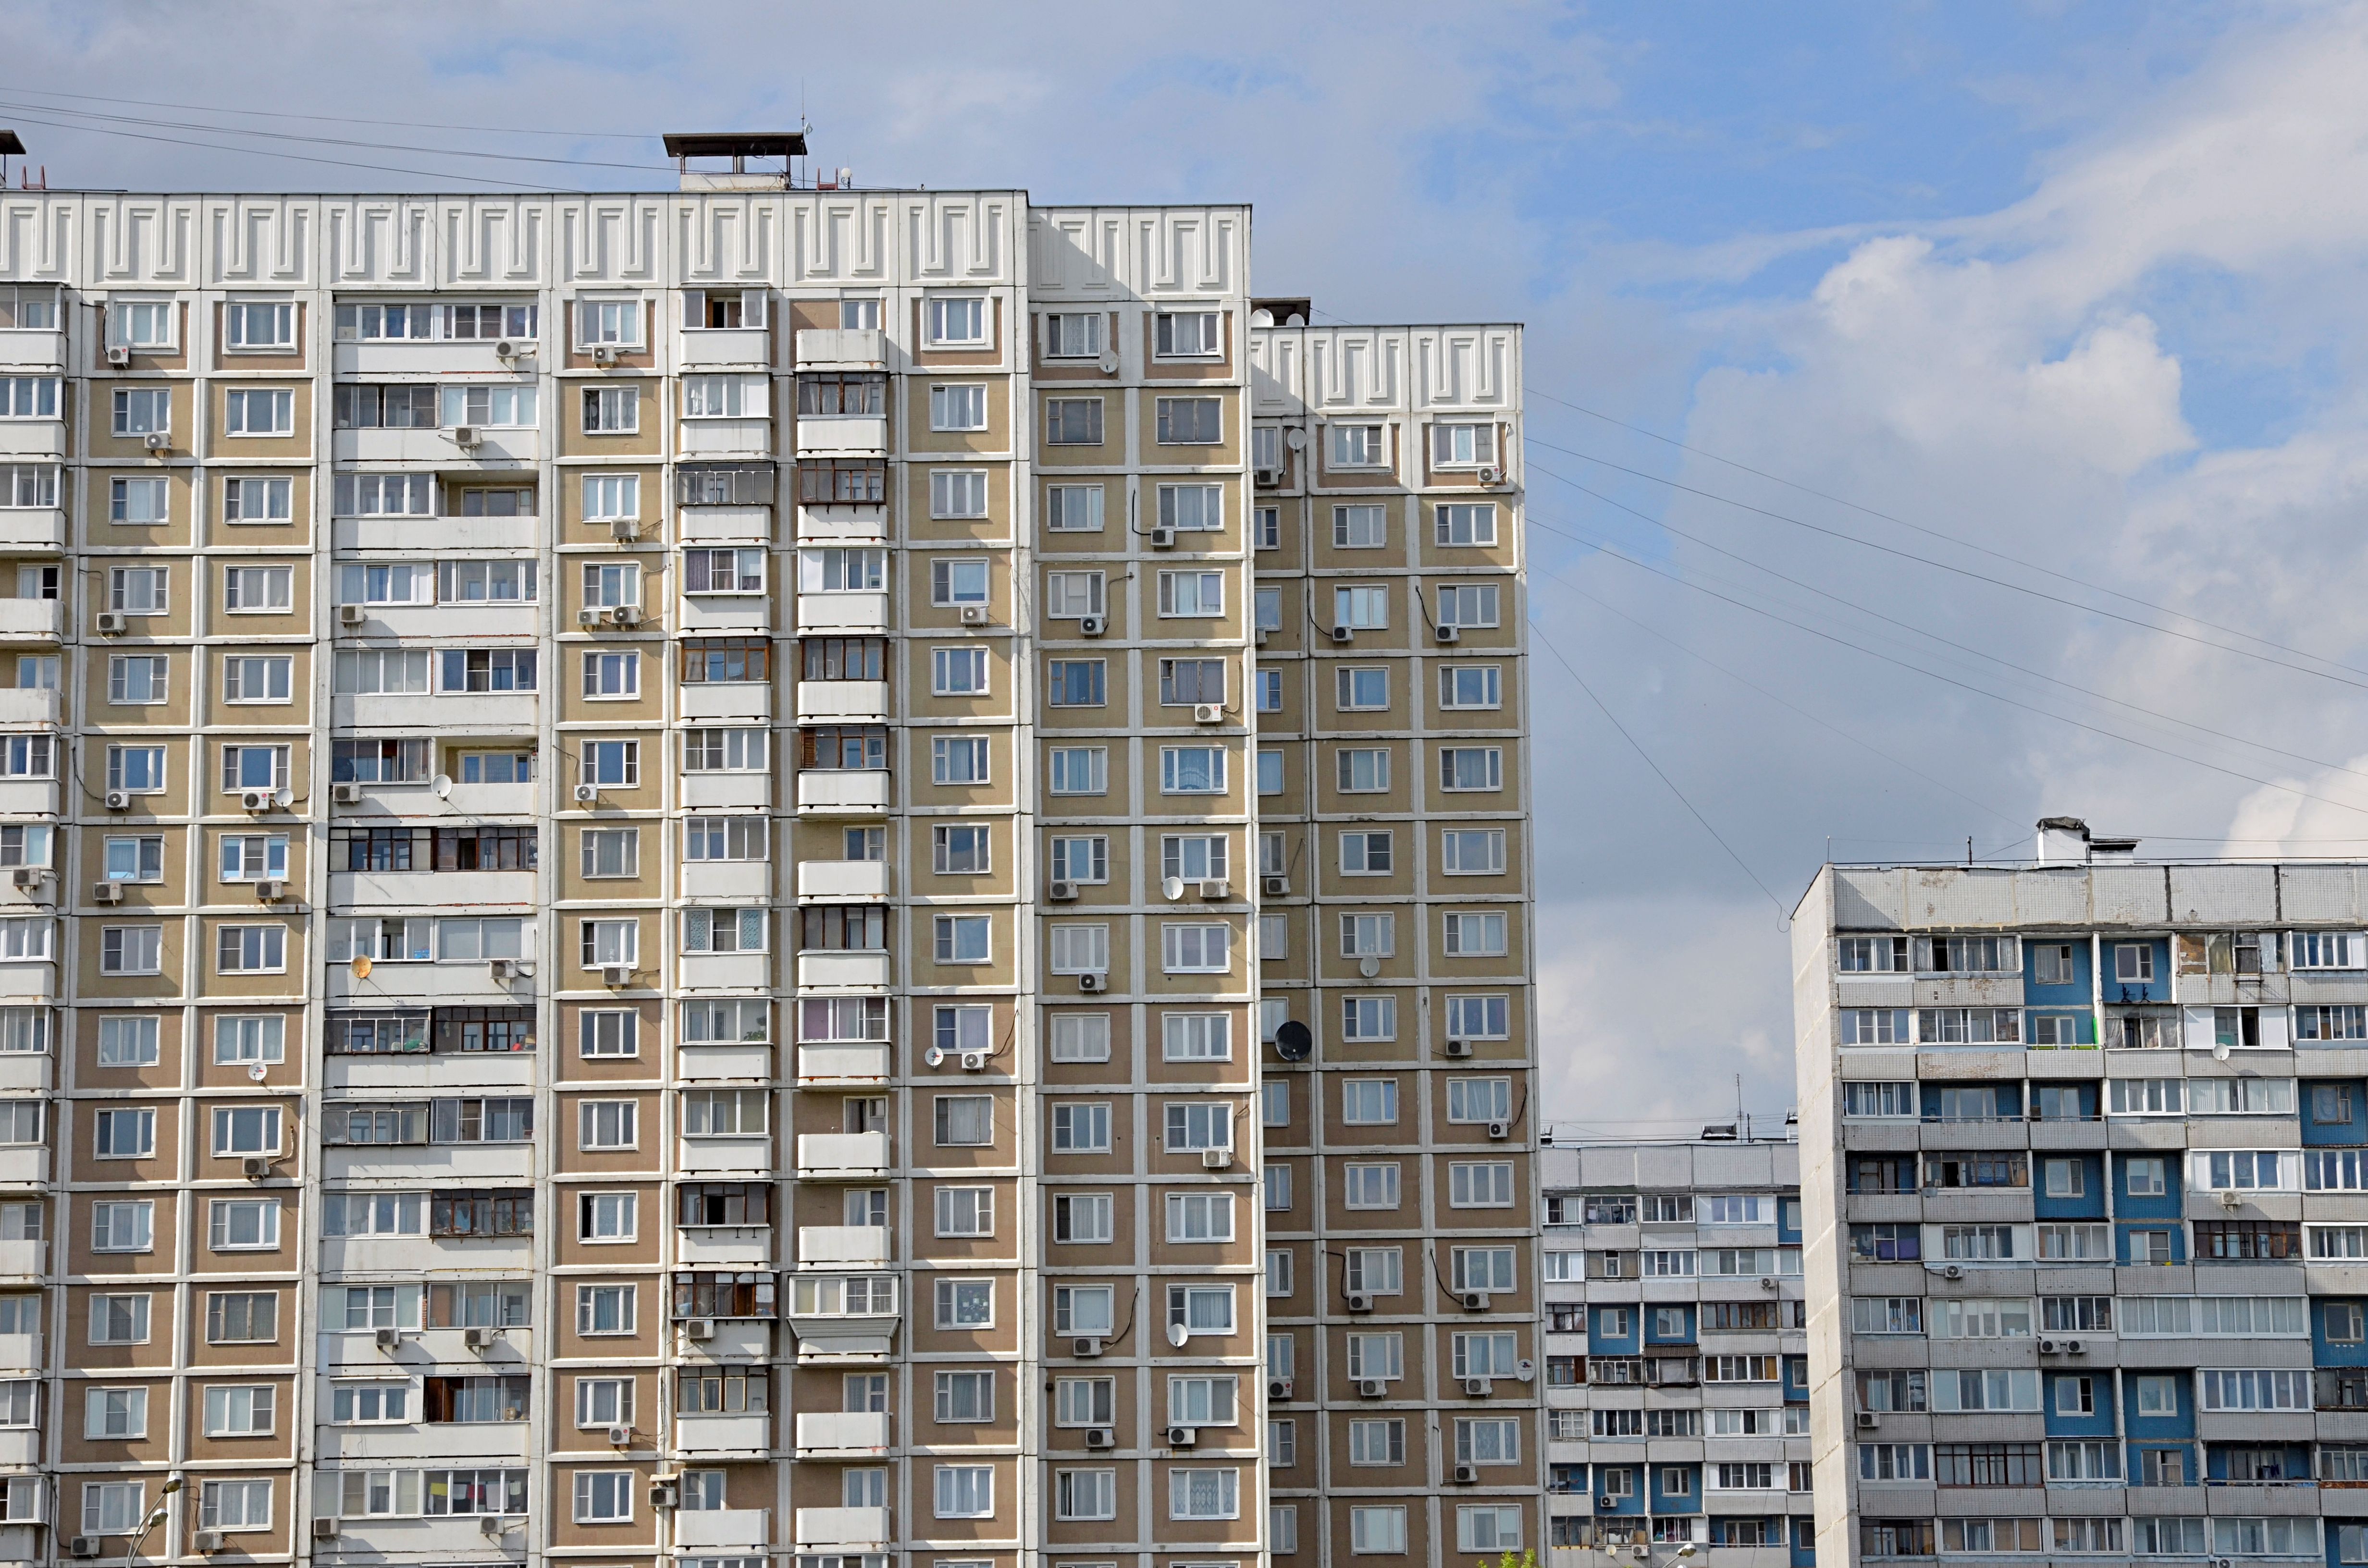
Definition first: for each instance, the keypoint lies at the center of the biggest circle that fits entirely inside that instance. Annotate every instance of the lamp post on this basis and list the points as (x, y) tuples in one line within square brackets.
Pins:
[(155, 1518)]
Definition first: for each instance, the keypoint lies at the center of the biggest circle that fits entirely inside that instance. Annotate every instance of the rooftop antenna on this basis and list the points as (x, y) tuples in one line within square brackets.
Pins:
[(1742, 1118)]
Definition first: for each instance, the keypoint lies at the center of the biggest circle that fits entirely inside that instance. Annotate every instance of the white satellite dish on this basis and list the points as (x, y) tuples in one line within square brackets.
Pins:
[(1173, 887), (933, 1056), (2220, 1053), (1369, 967), (1177, 1334), (441, 786), (1525, 1370), (255, 1071), (1295, 437), (285, 797)]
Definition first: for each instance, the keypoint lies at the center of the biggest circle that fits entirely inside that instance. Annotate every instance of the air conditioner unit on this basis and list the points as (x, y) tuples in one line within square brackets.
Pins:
[(1208, 713), (1101, 1437), (1492, 476), (1092, 981), (477, 1338), (352, 615), (1500, 1130), (973, 615), (88, 1545), (1465, 1474), (491, 1524), (498, 970), (1275, 887), (110, 622), (624, 530), (119, 800), (1183, 1437), (1475, 1301), (1344, 634), (260, 800), (1060, 891), (699, 1328), (27, 875), (1607, 1502), (387, 1339), (118, 356), (625, 615), (1868, 1421), (1448, 634), (157, 440), (616, 974), (346, 794), (2073, 1347), (1278, 1387), (1269, 477), (1360, 1302), (254, 1168), (1478, 1388), (1456, 1047), (1092, 625), (604, 354), (505, 348), (1163, 538), (207, 1540), (1260, 635), (663, 1495), (107, 892), (1370, 1388), (619, 1435), (325, 1529), (973, 1061), (2230, 1201), (1953, 1272), (1216, 888), (466, 436), (1216, 1159), (590, 617), (1085, 1349), (270, 890), (586, 793)]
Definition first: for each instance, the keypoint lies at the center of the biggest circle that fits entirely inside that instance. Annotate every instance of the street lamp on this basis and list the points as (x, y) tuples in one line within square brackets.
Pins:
[(152, 1521)]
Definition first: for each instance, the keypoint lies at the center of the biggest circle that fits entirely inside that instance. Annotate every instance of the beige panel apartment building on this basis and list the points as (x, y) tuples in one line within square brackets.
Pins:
[(645, 911)]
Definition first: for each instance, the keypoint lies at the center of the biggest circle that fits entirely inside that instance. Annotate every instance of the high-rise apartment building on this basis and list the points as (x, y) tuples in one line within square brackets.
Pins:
[(640, 841), (1677, 1389), (2084, 1146)]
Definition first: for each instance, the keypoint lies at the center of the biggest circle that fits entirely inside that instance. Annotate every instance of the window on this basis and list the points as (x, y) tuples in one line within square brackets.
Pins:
[(255, 590), (1362, 527), (1189, 421), (1471, 767), (1191, 770), (1199, 1217), (958, 323), (1370, 1102), (1466, 852), (962, 938), (119, 1319), (965, 1397), (1085, 1494), (1480, 1186), (965, 1211), (605, 1497), (1360, 446), (606, 1217), (1081, 1037), (960, 407), (245, 1130), (1193, 508), (1362, 609), (1203, 1494), (127, 950), (607, 1124), (239, 1317), (1466, 523), (604, 1309), (1075, 335), (142, 411), (259, 411), (1179, 335), (127, 1040), (1475, 936), (135, 680), (965, 1303), (965, 1492), (1378, 1530), (250, 949)]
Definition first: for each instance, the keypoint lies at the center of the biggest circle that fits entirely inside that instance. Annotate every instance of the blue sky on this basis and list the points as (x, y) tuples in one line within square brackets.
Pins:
[(2074, 285)]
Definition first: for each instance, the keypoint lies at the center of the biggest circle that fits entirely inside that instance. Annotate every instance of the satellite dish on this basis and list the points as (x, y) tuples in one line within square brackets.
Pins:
[(1109, 364), (361, 966), (1369, 967), (1177, 1334), (1525, 1370), (1293, 1041), (1173, 887), (2220, 1053), (255, 1071), (441, 786), (285, 798), (933, 1056), (1295, 437)]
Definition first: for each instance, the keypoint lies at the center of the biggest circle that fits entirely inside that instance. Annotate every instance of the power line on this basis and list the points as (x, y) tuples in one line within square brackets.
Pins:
[(1963, 571), (336, 119), (330, 140), (1946, 643), (300, 157), (1781, 912), (1935, 533)]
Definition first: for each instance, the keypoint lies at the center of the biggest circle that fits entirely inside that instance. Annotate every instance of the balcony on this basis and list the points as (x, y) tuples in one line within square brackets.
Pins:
[(724, 1437), (20, 1543), (842, 1433), (504, 1163), (725, 613), (724, 347), (747, 1531), (425, 1539), (724, 701), (486, 800), (34, 619), (842, 436), (21, 705), (20, 1445), (840, 792), (32, 527), (505, 1350), (842, 614), (29, 982), (842, 1156), (465, 983), (24, 1164), (433, 357), (37, 439), (506, 712), (24, 1072), (418, 1071), (20, 1352), (724, 437), (853, 348), (733, 881), (496, 443), (725, 525), (849, 523), (740, 1060), (705, 791), (835, 970), (843, 1246), (30, 348), (837, 881), (867, 1528), (28, 796), (725, 972), (724, 1247), (827, 702), (448, 623), (728, 1156), (492, 1442), (24, 1260), (436, 535), (822, 1064), (406, 1256), (413, 890), (730, 1339)]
